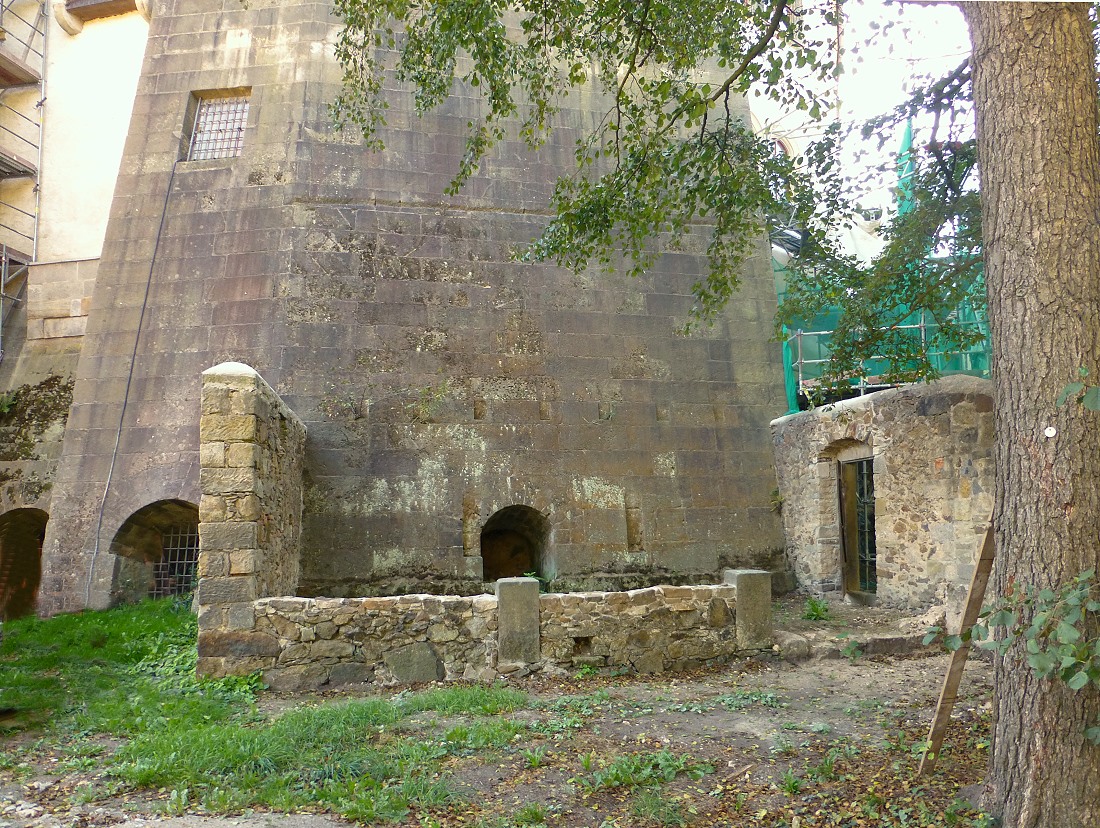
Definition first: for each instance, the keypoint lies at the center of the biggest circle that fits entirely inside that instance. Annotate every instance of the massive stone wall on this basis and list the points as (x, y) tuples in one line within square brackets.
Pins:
[(441, 381), (933, 484)]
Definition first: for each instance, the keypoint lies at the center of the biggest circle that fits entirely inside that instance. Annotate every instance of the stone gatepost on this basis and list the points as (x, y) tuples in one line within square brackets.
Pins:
[(517, 621), (250, 515), (754, 607)]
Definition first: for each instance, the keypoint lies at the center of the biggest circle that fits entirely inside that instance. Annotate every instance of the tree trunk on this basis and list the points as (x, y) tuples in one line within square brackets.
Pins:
[(1035, 97)]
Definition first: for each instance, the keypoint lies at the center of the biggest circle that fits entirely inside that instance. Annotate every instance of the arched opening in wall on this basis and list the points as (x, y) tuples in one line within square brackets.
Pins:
[(514, 542), (158, 551), (21, 535), (856, 493)]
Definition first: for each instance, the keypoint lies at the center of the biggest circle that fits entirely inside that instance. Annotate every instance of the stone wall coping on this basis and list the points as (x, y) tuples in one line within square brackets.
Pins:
[(955, 384), (247, 376), (676, 593)]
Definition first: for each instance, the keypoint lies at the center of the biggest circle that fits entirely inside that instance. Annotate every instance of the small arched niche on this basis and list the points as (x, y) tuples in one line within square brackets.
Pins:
[(21, 535), (158, 551), (514, 542)]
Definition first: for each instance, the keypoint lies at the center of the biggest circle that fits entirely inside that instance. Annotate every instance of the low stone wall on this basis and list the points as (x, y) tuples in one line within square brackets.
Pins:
[(304, 643), (644, 630)]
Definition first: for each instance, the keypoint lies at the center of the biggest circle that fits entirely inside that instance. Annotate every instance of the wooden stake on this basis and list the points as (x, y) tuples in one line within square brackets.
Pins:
[(951, 681)]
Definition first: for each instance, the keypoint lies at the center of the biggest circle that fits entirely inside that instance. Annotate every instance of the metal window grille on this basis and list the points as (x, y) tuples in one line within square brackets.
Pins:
[(218, 130), (865, 526), (174, 573)]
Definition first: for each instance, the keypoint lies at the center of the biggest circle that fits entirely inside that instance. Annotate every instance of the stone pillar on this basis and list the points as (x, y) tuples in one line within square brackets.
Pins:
[(517, 621), (250, 514), (754, 607)]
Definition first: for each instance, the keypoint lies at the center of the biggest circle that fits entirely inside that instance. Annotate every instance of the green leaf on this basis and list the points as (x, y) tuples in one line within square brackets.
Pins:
[(1078, 680), (1091, 399), (953, 642), (1066, 633), (1071, 390)]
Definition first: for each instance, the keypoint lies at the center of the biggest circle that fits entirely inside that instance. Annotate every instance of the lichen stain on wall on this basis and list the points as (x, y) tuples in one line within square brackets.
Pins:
[(32, 424), (594, 493)]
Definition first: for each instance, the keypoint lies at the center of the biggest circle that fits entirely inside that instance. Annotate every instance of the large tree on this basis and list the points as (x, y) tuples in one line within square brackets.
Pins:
[(1035, 97), (670, 153)]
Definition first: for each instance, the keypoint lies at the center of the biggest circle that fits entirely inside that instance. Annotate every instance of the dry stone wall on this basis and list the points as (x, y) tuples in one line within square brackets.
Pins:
[(933, 485), (302, 643)]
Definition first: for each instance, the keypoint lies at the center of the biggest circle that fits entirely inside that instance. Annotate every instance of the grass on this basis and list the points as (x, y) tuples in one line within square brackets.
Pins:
[(816, 609), (109, 703), (637, 769), (65, 672)]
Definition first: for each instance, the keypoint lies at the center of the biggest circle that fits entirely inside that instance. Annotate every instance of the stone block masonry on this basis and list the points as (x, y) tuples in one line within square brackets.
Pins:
[(458, 401), (930, 451), (250, 513), (305, 643)]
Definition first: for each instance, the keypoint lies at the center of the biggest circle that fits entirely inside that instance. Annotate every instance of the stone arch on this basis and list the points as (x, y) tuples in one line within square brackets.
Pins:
[(157, 550), (514, 541), (21, 534)]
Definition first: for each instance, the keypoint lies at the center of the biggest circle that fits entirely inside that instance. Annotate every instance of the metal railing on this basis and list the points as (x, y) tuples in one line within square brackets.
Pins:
[(13, 289), (30, 35), (808, 370)]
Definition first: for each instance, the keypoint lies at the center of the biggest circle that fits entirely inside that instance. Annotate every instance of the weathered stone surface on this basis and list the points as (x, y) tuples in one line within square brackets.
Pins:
[(518, 619), (933, 484), (236, 644), (350, 673), (754, 607), (296, 678), (791, 646), (229, 590), (414, 663)]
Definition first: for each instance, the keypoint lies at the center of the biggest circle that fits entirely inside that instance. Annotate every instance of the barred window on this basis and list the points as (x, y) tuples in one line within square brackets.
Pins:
[(217, 124), (174, 573)]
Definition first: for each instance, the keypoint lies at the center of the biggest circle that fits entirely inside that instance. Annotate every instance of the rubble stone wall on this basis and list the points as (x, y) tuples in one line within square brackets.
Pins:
[(302, 643), (933, 482)]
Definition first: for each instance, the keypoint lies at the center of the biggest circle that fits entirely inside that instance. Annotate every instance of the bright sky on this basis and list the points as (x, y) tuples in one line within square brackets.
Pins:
[(881, 66)]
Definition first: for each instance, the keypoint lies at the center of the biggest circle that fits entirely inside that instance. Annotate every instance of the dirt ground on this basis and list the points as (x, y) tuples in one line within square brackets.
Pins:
[(760, 728)]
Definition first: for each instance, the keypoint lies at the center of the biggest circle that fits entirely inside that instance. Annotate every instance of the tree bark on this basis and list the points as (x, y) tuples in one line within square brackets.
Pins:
[(1035, 98)]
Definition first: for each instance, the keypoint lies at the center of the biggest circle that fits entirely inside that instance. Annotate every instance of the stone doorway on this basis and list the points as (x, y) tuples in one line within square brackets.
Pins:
[(857, 526), (21, 534), (514, 543)]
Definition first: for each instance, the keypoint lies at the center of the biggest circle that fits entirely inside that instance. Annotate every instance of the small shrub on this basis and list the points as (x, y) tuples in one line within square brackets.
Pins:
[(816, 609)]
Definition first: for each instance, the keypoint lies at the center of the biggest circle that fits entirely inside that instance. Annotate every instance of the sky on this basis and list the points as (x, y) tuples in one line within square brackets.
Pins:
[(882, 64)]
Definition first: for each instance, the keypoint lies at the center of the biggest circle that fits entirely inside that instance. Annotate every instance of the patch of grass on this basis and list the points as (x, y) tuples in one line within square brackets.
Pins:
[(654, 806), (639, 769), (64, 673), (530, 814), (477, 700), (687, 707), (816, 609), (343, 757)]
